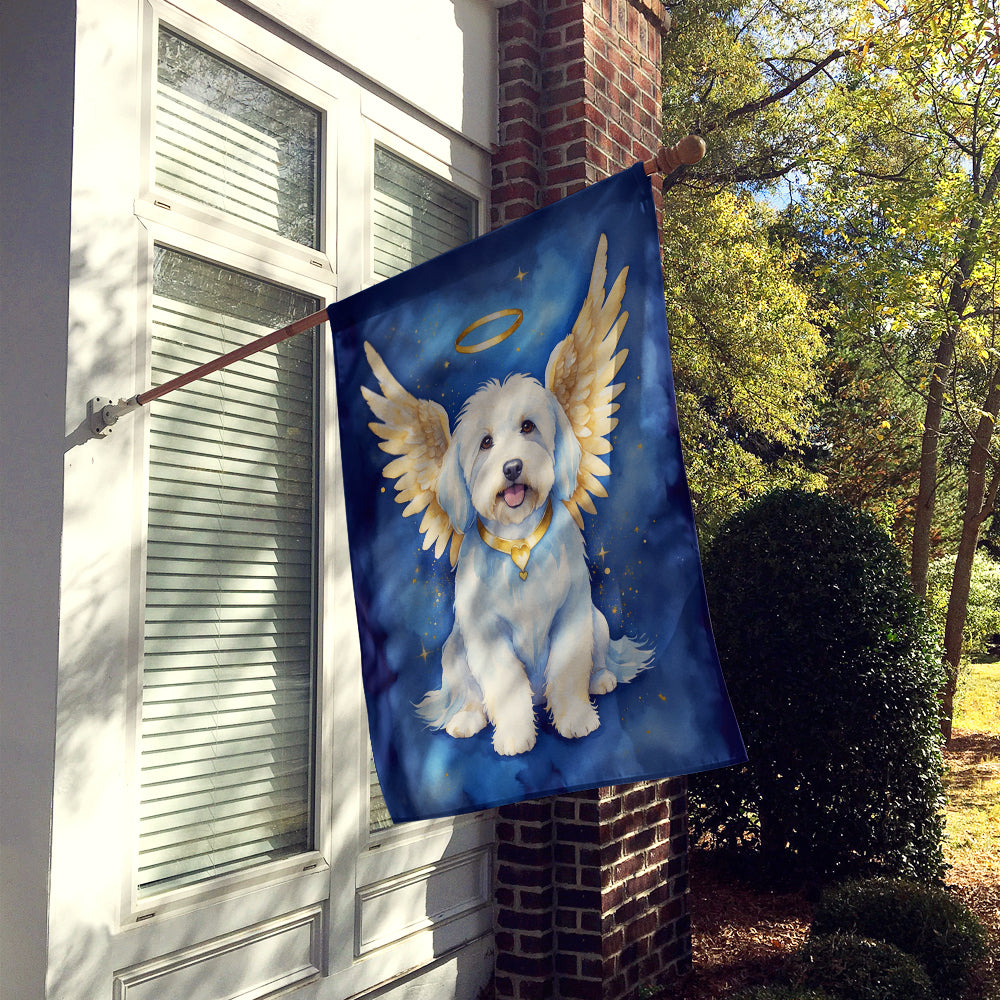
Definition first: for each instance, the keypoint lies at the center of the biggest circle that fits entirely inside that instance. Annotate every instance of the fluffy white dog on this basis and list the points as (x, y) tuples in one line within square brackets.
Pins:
[(506, 489)]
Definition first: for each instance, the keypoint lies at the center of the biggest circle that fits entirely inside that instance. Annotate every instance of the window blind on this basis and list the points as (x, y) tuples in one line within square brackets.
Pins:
[(228, 140), (416, 216), (228, 654)]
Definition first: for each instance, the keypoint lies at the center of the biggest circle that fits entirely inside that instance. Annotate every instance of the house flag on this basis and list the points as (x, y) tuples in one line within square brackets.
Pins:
[(526, 572)]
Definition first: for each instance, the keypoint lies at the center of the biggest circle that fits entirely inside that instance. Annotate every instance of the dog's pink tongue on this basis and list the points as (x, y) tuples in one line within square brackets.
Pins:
[(514, 495)]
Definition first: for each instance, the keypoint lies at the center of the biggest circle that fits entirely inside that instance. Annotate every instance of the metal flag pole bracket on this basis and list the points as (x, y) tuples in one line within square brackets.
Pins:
[(103, 413)]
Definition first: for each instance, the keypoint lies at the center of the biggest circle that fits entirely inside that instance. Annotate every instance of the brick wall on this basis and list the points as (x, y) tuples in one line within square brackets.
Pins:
[(591, 893), (591, 889), (579, 96)]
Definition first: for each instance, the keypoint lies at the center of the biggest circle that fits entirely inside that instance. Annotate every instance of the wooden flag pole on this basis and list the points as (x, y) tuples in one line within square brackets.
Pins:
[(103, 413), (261, 343)]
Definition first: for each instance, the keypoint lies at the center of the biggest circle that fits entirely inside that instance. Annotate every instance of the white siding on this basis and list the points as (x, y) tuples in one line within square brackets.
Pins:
[(78, 503)]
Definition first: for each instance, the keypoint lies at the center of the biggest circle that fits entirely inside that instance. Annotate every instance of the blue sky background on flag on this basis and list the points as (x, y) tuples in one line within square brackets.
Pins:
[(673, 718)]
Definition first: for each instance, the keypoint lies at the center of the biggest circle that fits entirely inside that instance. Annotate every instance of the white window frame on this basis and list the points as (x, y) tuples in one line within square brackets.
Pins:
[(386, 859), (393, 132), (351, 873), (272, 60), (183, 240), (180, 224)]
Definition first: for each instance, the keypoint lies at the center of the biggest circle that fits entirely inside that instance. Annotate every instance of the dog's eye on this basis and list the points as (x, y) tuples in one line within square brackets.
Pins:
[(486, 443), (527, 427)]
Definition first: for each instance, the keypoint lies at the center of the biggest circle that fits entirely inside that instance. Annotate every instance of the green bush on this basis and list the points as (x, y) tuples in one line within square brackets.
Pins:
[(856, 968), (833, 673), (925, 922)]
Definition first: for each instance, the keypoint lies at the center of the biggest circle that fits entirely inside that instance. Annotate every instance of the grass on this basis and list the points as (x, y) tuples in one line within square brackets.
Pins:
[(973, 783), (978, 699), (972, 848)]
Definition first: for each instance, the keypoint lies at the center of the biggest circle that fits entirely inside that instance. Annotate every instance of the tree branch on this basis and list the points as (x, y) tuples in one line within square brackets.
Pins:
[(754, 106), (900, 176), (724, 178)]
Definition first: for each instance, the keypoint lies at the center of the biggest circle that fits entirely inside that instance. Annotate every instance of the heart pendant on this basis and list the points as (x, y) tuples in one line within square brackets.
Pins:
[(520, 555)]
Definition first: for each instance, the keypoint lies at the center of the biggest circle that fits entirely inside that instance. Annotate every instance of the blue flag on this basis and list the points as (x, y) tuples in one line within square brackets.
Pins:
[(526, 572)]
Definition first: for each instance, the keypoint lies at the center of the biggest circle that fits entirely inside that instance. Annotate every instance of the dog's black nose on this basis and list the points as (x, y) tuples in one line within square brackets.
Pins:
[(512, 469)]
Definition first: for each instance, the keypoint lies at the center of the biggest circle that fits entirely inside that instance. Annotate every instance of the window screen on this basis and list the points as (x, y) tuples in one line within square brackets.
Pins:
[(416, 216), (228, 656), (228, 140)]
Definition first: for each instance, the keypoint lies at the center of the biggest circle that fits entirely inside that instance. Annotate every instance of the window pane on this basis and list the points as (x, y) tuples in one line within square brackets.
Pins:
[(228, 662), (228, 140), (416, 217)]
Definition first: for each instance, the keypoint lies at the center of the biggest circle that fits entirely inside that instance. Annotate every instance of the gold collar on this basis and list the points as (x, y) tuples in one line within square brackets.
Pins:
[(520, 548)]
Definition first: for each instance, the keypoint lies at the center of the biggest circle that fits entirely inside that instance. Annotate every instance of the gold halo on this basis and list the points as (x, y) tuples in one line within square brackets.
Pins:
[(492, 341)]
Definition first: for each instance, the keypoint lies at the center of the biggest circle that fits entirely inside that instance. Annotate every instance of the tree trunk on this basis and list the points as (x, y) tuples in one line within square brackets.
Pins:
[(979, 503), (958, 300), (920, 553)]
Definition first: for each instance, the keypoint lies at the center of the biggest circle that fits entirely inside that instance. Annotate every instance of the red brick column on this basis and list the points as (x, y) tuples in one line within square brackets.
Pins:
[(579, 96), (518, 174), (524, 897), (591, 893), (591, 889)]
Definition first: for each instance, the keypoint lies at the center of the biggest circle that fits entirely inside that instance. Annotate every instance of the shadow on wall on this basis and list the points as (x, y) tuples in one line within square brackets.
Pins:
[(90, 819)]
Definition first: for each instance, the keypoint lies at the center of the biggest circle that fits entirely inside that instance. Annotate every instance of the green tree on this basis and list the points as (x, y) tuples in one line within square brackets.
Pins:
[(746, 350), (866, 439), (868, 426), (746, 355), (982, 620), (911, 187), (880, 121), (746, 76)]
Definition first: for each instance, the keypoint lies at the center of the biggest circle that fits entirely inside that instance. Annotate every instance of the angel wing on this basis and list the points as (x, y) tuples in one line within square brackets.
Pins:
[(415, 430), (580, 373)]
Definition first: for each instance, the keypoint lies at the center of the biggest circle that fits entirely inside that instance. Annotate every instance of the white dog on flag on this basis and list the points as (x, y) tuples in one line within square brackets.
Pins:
[(505, 493)]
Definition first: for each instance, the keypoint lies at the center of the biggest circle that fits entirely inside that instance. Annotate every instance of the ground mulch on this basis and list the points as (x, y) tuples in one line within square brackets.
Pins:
[(742, 934)]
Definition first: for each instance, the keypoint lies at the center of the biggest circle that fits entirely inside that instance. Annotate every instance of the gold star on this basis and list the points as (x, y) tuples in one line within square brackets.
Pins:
[(521, 275), (602, 553), (424, 653)]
